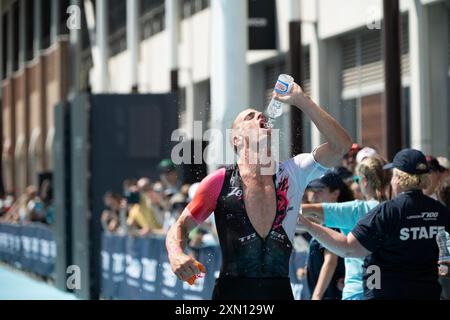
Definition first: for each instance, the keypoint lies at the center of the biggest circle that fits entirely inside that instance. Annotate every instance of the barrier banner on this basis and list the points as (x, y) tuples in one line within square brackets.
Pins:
[(138, 269), (30, 247)]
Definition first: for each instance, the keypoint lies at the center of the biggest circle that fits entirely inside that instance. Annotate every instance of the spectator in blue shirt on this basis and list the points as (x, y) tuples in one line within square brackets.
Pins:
[(373, 182), (397, 238)]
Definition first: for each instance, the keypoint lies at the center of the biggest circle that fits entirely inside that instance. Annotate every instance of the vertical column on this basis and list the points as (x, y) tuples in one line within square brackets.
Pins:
[(55, 28), (172, 18), (420, 85), (10, 51), (74, 53), (2, 49), (2, 52), (229, 70), (317, 86), (439, 99), (295, 70), (37, 42), (133, 37), (22, 33), (392, 75), (101, 13)]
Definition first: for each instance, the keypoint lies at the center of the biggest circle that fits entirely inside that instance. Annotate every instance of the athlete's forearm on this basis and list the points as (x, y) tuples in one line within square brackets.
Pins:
[(176, 239), (326, 275), (335, 135), (178, 234)]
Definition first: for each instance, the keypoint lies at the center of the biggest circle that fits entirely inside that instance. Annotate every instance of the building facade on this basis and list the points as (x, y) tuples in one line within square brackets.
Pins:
[(201, 48)]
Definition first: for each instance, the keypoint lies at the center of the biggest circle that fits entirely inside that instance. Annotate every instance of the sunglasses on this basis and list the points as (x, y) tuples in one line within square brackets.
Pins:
[(357, 179)]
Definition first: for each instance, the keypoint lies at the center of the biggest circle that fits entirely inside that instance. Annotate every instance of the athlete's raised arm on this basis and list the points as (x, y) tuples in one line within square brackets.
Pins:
[(338, 142)]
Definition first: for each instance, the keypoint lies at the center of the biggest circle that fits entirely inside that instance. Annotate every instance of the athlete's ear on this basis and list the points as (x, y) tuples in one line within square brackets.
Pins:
[(237, 141)]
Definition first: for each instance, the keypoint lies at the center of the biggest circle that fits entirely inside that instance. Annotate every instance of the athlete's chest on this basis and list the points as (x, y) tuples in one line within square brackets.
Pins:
[(260, 204)]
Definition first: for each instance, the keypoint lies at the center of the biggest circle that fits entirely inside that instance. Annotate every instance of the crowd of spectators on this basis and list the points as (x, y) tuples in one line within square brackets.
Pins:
[(335, 186), (34, 205), (146, 207)]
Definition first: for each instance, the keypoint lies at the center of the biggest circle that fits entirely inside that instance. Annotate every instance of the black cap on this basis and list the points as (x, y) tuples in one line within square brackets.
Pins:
[(328, 180), (410, 161), (343, 172)]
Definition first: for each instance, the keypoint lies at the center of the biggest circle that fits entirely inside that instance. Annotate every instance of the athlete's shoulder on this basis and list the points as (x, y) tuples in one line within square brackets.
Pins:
[(213, 180)]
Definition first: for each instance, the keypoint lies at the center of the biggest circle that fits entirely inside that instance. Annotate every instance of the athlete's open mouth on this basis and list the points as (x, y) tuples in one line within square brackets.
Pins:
[(263, 123)]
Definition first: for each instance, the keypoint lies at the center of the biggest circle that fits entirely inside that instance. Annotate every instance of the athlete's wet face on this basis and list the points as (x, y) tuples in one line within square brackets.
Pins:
[(249, 128)]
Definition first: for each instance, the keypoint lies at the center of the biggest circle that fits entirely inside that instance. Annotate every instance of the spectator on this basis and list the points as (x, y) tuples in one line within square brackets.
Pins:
[(443, 192), (365, 153), (21, 211), (344, 174), (177, 204), (157, 202), (325, 270), (349, 160), (6, 204), (435, 176), (110, 218), (374, 181), (444, 163), (388, 237), (168, 176), (142, 218), (46, 196)]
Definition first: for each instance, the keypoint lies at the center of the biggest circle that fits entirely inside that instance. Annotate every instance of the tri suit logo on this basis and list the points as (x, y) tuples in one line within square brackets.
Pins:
[(235, 192)]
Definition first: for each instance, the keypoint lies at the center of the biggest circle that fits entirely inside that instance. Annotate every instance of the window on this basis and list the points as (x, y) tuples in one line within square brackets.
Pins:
[(5, 44), (362, 58), (15, 35), (63, 16), (117, 15), (46, 23), (152, 21), (191, 7), (349, 116), (29, 27)]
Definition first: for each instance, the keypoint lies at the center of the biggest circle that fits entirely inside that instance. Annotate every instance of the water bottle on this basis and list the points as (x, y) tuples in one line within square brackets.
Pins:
[(443, 241), (275, 108)]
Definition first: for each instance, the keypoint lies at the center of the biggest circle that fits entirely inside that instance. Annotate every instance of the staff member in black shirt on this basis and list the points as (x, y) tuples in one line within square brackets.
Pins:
[(397, 238)]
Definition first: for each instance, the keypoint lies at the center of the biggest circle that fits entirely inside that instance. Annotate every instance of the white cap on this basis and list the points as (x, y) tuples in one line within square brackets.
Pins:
[(444, 162), (364, 153)]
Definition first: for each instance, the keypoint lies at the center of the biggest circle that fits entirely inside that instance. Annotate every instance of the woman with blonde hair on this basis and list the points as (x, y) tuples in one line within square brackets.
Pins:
[(373, 182), (397, 238)]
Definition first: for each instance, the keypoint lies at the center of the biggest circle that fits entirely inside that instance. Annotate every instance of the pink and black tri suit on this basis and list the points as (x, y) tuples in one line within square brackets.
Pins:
[(254, 267)]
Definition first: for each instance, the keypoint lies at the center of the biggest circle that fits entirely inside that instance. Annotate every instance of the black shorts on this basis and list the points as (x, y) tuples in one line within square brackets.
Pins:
[(235, 288)]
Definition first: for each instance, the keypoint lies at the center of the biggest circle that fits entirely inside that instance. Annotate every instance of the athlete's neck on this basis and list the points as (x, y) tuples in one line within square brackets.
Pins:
[(251, 166)]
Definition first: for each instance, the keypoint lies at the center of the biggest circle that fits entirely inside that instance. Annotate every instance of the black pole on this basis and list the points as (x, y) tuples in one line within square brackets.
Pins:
[(174, 80), (393, 85), (295, 70)]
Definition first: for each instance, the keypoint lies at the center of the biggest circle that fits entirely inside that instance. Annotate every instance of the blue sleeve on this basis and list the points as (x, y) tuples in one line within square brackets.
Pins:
[(374, 230), (344, 215)]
